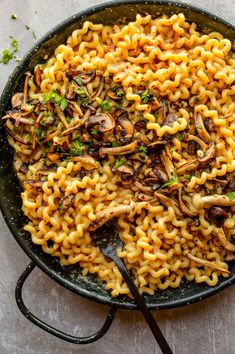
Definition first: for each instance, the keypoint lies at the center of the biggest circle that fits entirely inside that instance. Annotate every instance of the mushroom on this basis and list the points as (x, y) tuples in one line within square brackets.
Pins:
[(170, 119), (209, 154), (127, 169), (24, 99), (166, 160), (17, 118), (23, 168), (16, 100), (120, 150), (34, 183), (124, 129), (105, 215), (230, 257), (162, 176), (224, 242), (143, 188), (37, 76), (116, 94), (61, 116), (141, 124), (196, 139), (86, 161), (183, 207), (210, 200), (217, 215), (168, 202), (187, 167), (99, 124), (156, 146), (16, 137), (207, 263), (83, 76), (201, 130), (65, 203), (75, 108)]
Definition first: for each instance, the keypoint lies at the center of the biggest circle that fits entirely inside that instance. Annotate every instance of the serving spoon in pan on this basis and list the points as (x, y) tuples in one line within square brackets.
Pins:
[(108, 240)]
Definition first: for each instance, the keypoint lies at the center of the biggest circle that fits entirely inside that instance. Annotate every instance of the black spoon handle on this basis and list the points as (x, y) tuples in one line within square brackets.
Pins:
[(143, 307)]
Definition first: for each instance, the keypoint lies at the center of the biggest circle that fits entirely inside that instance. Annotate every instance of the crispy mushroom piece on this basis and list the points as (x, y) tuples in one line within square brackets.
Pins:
[(16, 137), (17, 99), (17, 118), (162, 176), (120, 150), (170, 119), (217, 215), (84, 77), (116, 95), (209, 154), (166, 160), (187, 167), (168, 202), (196, 140), (87, 161), (124, 129), (65, 203), (127, 169), (207, 263), (224, 242), (37, 76), (24, 99), (207, 201), (156, 146), (99, 124), (200, 127), (183, 207), (107, 214), (61, 116)]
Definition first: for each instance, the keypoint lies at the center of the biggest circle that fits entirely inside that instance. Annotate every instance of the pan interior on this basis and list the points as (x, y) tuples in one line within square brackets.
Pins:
[(10, 202)]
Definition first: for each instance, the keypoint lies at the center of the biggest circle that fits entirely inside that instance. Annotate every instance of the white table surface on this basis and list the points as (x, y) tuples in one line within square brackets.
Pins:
[(203, 328)]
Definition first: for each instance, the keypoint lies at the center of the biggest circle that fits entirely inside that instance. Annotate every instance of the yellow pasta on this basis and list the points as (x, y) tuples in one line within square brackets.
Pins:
[(136, 120)]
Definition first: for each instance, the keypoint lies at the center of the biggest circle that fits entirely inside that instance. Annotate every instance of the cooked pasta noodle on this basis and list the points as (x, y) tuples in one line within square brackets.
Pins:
[(136, 121)]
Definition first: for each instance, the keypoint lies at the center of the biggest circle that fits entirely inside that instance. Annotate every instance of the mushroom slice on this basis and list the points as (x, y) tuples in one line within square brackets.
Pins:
[(169, 167), (34, 183), (75, 107), (210, 200), (127, 169), (200, 127), (103, 122), (196, 139), (209, 154), (17, 99), (187, 167), (183, 207), (87, 161), (207, 263), (83, 76), (224, 242), (156, 146), (120, 150), (217, 215), (24, 99), (168, 202), (65, 203), (143, 188), (16, 137), (162, 176), (37, 76), (170, 119), (107, 214), (61, 115), (116, 95), (124, 129)]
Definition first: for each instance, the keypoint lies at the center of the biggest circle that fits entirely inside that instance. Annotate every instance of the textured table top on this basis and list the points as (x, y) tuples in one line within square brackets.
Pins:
[(203, 328)]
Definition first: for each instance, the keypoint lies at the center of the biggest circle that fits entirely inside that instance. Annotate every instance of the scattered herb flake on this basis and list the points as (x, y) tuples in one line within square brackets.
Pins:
[(115, 144), (94, 131), (57, 99), (174, 179), (231, 195), (78, 80), (196, 99), (180, 136), (15, 45), (188, 177), (145, 96), (118, 162), (6, 56), (34, 35), (40, 133), (143, 150), (105, 106), (14, 16), (27, 27)]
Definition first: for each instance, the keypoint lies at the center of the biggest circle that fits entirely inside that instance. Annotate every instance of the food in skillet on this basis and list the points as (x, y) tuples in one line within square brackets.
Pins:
[(136, 123)]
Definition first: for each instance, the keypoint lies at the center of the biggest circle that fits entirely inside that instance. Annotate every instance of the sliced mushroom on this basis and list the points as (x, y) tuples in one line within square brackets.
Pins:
[(117, 94), (17, 118), (37, 78), (166, 160), (168, 202), (65, 203), (17, 99), (120, 150), (170, 119), (156, 146), (87, 161), (141, 124), (187, 167), (17, 137), (217, 215), (107, 214), (162, 176), (23, 168), (207, 263), (102, 122), (196, 139), (75, 108), (127, 169), (209, 154), (143, 188), (84, 77), (224, 242), (124, 129), (24, 99), (183, 207), (207, 201), (201, 130), (61, 116)]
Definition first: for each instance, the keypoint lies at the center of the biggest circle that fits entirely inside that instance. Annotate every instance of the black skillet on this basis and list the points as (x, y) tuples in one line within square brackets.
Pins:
[(10, 203)]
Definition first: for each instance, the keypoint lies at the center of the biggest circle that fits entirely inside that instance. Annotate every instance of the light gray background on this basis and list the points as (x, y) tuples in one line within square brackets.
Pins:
[(203, 328)]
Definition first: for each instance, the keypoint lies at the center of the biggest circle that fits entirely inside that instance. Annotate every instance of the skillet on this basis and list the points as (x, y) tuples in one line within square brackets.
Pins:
[(10, 203)]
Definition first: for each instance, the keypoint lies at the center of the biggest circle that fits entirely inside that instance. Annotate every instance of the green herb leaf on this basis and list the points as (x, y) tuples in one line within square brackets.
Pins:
[(196, 99), (15, 45), (94, 131), (14, 16), (105, 106), (34, 35), (40, 134), (78, 80), (231, 195), (69, 119), (6, 56), (180, 136), (118, 162), (174, 179), (188, 177), (145, 96), (77, 147), (27, 27), (143, 150), (115, 144), (57, 99)]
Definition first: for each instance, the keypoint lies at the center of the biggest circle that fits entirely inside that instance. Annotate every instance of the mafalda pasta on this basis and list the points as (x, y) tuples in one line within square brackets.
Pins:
[(133, 122)]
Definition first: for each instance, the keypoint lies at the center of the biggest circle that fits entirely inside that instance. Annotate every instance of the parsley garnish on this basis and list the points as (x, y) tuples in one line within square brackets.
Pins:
[(231, 195), (6, 56), (174, 179), (14, 16), (15, 45), (105, 106), (180, 136), (115, 144), (78, 80), (94, 131), (196, 99), (57, 99), (40, 133), (143, 150), (118, 162), (27, 27), (77, 148), (145, 96), (188, 177)]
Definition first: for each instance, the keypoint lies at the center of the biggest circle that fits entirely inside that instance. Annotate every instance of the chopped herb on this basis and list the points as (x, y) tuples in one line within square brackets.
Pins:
[(82, 98), (145, 96), (114, 87), (14, 17), (188, 177), (57, 99), (120, 92), (143, 150), (6, 56), (196, 99), (34, 35), (231, 195), (105, 106), (47, 145), (94, 131), (77, 147), (15, 45), (40, 133), (27, 27), (118, 162), (78, 80), (115, 144), (198, 126), (180, 136), (142, 118), (174, 179), (31, 120), (69, 119)]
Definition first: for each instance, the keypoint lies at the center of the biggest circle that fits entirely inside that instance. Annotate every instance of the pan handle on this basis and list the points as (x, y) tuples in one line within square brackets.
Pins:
[(50, 329)]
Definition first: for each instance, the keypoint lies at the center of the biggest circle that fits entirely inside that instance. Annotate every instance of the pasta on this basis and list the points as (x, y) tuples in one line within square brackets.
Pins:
[(133, 121)]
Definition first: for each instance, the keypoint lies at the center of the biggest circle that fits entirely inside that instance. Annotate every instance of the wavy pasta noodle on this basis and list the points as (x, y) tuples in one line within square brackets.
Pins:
[(134, 122)]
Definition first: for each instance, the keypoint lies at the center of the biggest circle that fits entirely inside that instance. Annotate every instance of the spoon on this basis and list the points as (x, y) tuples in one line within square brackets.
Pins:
[(108, 240)]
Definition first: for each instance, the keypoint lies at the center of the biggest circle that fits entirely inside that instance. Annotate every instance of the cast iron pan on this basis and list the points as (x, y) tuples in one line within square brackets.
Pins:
[(10, 203)]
